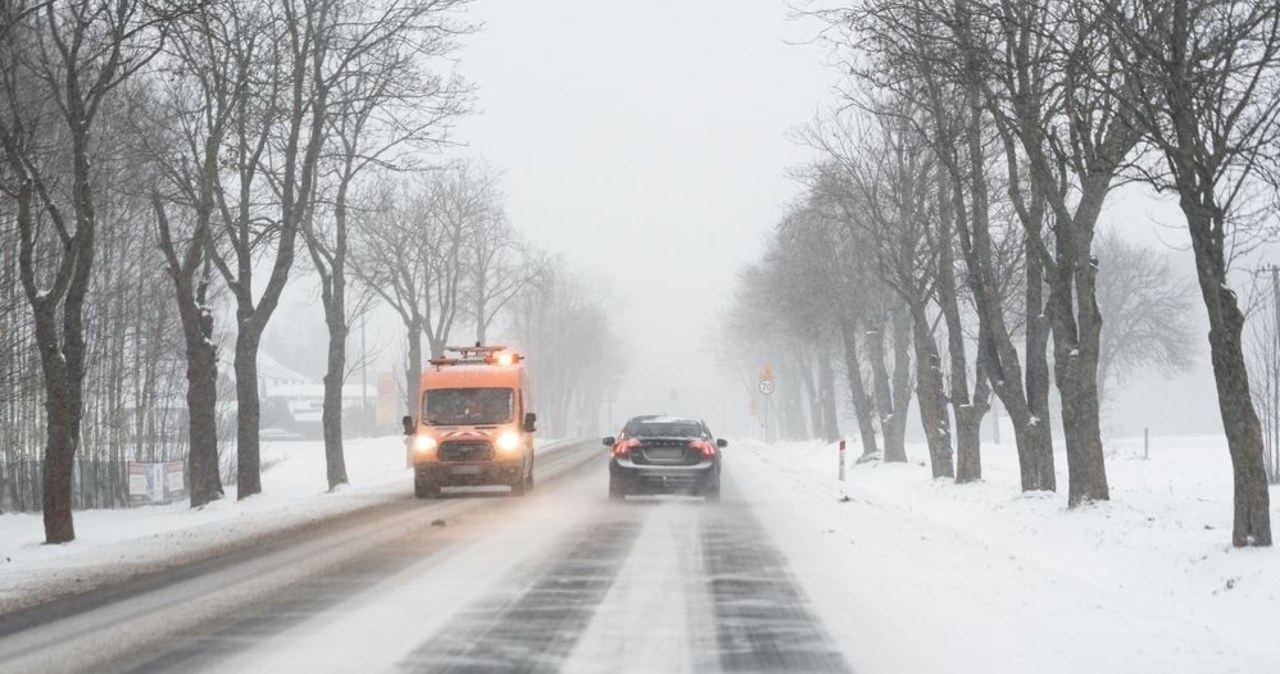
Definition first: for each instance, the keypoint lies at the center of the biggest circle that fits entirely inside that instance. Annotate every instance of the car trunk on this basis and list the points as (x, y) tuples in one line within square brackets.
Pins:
[(665, 452)]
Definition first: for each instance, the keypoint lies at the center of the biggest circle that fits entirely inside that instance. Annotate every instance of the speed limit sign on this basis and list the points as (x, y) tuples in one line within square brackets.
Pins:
[(766, 386)]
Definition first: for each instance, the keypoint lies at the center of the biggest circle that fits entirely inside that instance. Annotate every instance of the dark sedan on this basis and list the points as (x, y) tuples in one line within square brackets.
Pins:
[(665, 455)]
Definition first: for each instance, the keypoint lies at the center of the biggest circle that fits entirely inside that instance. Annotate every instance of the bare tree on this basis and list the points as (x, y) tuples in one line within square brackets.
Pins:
[(1147, 308), (203, 85), (909, 48), (1202, 88), (277, 138), (459, 201), (564, 328), (499, 266), (389, 256), (382, 104), (59, 64), (866, 307), (410, 250), (892, 179)]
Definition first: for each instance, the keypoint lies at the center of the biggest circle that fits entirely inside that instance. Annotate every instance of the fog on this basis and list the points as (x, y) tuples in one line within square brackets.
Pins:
[(652, 154), (647, 143)]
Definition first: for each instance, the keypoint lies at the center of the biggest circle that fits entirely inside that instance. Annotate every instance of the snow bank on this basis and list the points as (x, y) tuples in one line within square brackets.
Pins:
[(112, 545), (914, 574)]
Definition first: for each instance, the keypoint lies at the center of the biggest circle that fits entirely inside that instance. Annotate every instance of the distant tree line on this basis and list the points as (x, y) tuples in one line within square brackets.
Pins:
[(947, 243), (160, 160)]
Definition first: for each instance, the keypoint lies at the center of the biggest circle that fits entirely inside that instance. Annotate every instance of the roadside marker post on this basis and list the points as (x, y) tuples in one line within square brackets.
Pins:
[(844, 493), (842, 454)]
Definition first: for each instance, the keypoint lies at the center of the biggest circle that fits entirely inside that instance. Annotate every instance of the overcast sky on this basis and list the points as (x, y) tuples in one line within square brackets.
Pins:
[(649, 144), (646, 142)]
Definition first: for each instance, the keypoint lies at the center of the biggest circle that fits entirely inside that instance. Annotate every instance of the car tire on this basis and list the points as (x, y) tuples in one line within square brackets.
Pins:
[(424, 489), (712, 491), (518, 486), (617, 490)]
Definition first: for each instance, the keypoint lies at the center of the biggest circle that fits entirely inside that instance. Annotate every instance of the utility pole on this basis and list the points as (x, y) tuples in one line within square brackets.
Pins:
[(1275, 373), (364, 383)]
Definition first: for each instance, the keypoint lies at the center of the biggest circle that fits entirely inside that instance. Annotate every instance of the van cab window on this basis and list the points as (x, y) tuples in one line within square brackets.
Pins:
[(468, 406)]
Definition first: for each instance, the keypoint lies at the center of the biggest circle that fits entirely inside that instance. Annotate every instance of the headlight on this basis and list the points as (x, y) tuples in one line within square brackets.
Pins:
[(424, 443), (508, 441)]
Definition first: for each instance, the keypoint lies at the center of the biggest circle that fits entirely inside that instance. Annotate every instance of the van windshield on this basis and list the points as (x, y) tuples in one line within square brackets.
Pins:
[(468, 406)]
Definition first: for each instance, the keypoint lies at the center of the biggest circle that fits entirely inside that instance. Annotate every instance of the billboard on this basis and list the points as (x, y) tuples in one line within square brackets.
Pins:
[(153, 482), (387, 399)]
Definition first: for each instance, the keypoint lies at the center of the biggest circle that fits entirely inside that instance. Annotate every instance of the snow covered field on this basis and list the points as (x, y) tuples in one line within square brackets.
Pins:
[(114, 544), (917, 575)]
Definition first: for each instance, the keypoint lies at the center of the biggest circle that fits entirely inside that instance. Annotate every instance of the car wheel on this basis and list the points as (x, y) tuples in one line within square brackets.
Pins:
[(518, 487), (712, 491), (617, 490), (424, 489)]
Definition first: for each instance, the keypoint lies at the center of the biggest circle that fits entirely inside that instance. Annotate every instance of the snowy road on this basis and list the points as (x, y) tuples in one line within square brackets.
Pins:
[(562, 580)]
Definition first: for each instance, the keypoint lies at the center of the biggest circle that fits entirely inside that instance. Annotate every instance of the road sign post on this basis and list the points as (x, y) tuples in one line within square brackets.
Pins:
[(766, 388)]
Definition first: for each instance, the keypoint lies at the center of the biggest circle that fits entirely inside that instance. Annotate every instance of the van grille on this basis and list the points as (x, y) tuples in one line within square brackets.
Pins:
[(471, 450)]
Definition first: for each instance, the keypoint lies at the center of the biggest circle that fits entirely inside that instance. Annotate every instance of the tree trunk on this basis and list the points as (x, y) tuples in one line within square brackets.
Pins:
[(827, 395), (969, 443), (331, 415), (248, 413), (413, 379), (896, 435), (1038, 469), (202, 394), (933, 411), (333, 297), (815, 401), (1252, 521), (60, 445), (894, 451), (413, 369), (205, 482), (61, 353), (1075, 357), (862, 406), (968, 411), (202, 401)]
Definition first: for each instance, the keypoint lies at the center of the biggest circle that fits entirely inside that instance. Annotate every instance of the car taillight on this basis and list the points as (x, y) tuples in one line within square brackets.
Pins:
[(705, 448), (623, 449)]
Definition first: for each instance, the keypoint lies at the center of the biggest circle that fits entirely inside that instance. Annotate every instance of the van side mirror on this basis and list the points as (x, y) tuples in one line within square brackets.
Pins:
[(530, 422), (407, 422), (609, 441), (722, 443)]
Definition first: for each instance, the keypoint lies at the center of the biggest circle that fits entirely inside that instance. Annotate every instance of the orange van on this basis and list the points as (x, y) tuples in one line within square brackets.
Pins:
[(474, 426)]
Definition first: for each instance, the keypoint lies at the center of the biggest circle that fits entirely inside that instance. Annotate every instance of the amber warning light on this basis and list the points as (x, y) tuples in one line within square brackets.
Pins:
[(488, 355)]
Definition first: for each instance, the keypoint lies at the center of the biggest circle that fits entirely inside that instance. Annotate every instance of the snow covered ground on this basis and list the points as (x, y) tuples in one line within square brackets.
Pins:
[(909, 575), (918, 575), (115, 544)]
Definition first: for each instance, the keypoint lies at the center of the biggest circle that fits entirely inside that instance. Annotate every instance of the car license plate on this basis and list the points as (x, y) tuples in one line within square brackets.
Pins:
[(665, 454), (465, 470)]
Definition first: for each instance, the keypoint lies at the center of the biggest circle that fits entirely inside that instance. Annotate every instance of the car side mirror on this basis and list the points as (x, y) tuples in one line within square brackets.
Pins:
[(407, 422), (722, 443), (530, 422), (609, 441)]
